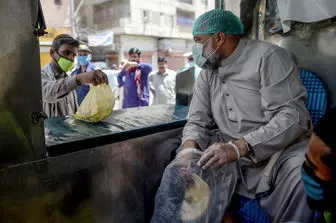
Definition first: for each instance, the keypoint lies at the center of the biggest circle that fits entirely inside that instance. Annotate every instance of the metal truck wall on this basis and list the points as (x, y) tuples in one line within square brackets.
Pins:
[(20, 91), (314, 44), (317, 53), (113, 183)]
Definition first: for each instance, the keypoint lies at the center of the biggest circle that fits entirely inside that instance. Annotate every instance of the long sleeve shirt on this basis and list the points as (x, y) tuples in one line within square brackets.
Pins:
[(257, 94), (59, 97), (131, 98), (164, 86)]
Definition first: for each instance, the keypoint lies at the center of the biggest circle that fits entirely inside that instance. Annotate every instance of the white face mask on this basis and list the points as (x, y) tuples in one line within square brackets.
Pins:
[(208, 62)]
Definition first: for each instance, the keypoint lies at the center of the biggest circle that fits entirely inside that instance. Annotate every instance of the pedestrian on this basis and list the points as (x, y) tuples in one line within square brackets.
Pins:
[(162, 83), (58, 88), (84, 65), (136, 83)]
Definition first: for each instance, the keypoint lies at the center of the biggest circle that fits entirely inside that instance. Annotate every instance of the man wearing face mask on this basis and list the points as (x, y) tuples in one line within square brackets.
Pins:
[(136, 83), (319, 169), (84, 65), (162, 83), (191, 63), (59, 97), (252, 93)]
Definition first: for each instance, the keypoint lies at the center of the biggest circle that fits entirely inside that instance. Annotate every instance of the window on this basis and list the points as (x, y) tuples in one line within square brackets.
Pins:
[(186, 1), (58, 2), (147, 16), (185, 18)]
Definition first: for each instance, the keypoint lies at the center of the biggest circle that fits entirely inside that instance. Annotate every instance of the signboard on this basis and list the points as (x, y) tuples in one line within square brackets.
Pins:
[(101, 39)]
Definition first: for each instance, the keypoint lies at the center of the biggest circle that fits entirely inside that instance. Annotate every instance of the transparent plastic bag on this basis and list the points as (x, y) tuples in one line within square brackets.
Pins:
[(190, 194), (97, 104)]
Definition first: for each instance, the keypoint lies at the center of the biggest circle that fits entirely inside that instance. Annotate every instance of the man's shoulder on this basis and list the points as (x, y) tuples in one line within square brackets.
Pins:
[(46, 71), (262, 47)]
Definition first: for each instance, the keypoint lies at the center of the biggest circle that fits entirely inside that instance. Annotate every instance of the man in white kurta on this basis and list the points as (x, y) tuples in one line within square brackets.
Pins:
[(162, 83), (251, 92)]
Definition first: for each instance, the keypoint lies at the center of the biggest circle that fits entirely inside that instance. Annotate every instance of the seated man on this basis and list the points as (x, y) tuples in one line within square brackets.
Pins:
[(319, 169), (251, 91), (58, 89)]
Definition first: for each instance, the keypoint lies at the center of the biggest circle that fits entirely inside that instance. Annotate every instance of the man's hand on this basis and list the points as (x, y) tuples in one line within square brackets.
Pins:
[(218, 154), (94, 77), (130, 65)]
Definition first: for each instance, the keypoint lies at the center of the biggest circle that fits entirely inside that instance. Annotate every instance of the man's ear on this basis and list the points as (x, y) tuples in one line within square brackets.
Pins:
[(221, 38), (51, 52)]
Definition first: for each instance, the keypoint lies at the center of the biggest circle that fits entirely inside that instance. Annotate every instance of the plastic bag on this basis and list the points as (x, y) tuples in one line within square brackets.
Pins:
[(190, 194), (97, 104)]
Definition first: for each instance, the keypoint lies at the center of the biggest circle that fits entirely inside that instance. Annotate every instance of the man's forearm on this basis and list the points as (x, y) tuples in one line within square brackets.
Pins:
[(190, 144)]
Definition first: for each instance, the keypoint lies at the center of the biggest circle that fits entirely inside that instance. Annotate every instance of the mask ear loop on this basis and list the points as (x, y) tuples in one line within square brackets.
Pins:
[(215, 50)]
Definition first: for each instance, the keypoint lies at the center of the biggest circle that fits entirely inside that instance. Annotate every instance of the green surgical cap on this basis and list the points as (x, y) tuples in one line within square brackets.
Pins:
[(218, 20)]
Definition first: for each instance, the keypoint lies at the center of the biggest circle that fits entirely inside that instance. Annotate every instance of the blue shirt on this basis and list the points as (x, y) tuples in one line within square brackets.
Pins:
[(83, 89)]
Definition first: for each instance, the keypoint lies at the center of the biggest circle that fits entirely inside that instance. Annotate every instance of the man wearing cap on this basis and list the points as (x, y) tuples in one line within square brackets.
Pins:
[(252, 93), (59, 97), (84, 65)]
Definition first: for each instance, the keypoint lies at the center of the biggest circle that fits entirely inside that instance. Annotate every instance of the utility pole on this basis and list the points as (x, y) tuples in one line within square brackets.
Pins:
[(73, 18)]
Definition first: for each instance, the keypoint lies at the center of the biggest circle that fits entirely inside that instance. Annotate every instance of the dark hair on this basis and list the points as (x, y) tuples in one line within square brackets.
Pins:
[(162, 59), (113, 52), (134, 51), (63, 39)]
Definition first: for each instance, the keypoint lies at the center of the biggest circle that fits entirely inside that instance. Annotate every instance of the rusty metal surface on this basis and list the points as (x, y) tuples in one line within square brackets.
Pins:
[(112, 183), (20, 92)]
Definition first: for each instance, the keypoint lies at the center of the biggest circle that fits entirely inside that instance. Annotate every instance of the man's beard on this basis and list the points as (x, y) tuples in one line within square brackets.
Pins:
[(212, 63)]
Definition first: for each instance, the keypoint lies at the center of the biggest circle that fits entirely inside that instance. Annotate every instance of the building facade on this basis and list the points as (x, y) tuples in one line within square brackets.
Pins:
[(157, 27)]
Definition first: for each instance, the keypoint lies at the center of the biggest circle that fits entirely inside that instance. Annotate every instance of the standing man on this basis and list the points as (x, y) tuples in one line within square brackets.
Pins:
[(191, 63), (84, 65), (136, 89), (162, 83), (59, 97), (252, 93), (112, 59)]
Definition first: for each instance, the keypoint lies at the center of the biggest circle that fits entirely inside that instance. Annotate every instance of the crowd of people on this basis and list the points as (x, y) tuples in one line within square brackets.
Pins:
[(249, 90), (133, 82)]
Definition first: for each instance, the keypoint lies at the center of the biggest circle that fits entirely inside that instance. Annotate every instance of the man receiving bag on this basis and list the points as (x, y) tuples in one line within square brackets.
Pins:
[(252, 93)]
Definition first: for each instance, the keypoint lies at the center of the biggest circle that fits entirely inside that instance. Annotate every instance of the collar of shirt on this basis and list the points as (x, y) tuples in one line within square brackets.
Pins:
[(235, 54), (165, 73), (89, 68)]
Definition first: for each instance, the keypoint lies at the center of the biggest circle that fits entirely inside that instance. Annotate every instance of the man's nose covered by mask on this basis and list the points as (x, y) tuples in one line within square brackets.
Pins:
[(83, 60), (64, 63), (204, 56), (210, 23)]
